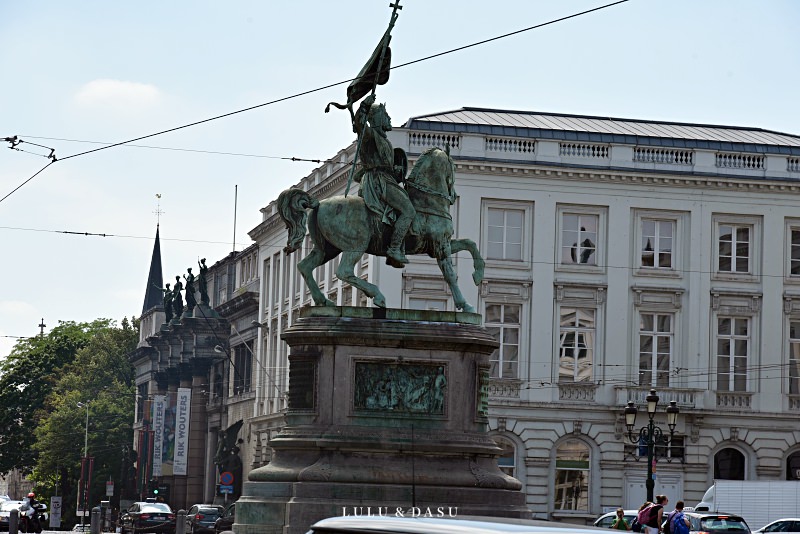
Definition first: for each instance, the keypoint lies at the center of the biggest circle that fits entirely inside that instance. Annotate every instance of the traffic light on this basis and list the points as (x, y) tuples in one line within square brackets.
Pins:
[(152, 487)]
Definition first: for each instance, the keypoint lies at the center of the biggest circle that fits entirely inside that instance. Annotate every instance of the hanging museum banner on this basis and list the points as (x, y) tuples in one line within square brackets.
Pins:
[(182, 430), (159, 409)]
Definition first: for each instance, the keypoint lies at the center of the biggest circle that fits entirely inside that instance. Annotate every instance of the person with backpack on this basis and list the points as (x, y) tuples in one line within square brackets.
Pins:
[(638, 523), (677, 522), (654, 515)]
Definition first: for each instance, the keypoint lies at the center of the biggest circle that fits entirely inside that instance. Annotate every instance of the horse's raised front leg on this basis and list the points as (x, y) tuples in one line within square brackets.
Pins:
[(306, 266), (449, 273), (346, 273), (457, 245)]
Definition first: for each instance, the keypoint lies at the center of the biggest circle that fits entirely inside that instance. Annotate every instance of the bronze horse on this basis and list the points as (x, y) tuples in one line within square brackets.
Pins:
[(344, 225)]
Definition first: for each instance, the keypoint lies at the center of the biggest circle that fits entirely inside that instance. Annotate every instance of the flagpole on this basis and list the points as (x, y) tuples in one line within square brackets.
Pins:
[(395, 6)]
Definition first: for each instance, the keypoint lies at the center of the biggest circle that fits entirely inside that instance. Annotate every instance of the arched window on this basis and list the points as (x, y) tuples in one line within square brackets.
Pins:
[(507, 460), (572, 476), (793, 466), (729, 464)]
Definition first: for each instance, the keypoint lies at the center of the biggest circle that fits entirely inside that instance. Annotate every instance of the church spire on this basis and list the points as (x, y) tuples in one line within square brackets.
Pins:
[(155, 280)]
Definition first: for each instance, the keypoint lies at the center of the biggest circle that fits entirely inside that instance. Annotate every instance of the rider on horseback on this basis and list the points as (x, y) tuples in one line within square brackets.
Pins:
[(379, 176)]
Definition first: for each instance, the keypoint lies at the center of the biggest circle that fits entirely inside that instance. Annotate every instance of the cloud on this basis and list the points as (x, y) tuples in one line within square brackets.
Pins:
[(16, 308), (117, 94)]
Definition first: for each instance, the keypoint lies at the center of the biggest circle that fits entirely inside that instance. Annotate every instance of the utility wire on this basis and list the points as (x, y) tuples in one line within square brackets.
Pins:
[(303, 93), (279, 247), (176, 149), (94, 234), (28, 180)]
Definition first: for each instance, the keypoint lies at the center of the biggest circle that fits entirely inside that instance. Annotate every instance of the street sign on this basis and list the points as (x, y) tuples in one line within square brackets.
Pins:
[(55, 512), (226, 478), (225, 489), (110, 488)]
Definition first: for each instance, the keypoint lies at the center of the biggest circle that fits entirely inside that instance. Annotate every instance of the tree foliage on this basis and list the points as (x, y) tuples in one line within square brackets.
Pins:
[(27, 377), (101, 378)]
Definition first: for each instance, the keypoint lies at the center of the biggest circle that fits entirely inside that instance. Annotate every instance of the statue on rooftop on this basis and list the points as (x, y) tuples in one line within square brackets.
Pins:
[(177, 299), (191, 300), (202, 281), (167, 302)]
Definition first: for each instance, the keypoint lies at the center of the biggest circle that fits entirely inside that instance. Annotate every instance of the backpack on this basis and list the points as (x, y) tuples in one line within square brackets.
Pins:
[(635, 525), (679, 527), (652, 516), (668, 524)]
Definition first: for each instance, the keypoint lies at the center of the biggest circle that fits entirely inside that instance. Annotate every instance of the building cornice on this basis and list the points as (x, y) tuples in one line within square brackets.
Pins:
[(238, 305), (639, 177)]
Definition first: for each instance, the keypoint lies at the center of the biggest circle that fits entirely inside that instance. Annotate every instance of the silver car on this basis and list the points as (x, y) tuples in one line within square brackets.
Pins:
[(435, 525), (788, 525)]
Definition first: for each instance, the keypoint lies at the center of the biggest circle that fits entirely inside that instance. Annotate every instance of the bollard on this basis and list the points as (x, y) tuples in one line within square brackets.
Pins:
[(13, 521), (180, 522), (94, 526)]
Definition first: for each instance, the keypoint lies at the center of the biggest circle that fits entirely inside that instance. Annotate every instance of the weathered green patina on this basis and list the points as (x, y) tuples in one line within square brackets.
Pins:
[(402, 388), (347, 226)]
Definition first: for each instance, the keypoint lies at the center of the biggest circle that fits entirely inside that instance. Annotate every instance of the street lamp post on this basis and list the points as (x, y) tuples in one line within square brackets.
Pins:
[(650, 434), (84, 464)]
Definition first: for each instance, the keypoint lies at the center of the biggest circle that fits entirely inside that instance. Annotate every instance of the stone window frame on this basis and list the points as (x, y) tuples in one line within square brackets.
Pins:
[(580, 295), (735, 304), (755, 223), (658, 300), (426, 287), (791, 311), (593, 472), (680, 239), (790, 225), (503, 325), (790, 371), (527, 233), (511, 446), (601, 212)]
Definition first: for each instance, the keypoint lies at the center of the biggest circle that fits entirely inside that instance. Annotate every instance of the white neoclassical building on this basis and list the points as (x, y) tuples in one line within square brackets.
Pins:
[(621, 256)]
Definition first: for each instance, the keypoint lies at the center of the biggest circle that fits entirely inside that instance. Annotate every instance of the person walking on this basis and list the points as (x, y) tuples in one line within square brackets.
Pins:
[(655, 515), (619, 521), (678, 522)]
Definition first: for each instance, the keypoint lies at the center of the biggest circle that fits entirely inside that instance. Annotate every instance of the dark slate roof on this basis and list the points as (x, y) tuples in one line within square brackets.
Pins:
[(152, 294), (563, 127)]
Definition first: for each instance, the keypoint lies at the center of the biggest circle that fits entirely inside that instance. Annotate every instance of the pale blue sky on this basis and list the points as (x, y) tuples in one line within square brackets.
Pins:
[(111, 71)]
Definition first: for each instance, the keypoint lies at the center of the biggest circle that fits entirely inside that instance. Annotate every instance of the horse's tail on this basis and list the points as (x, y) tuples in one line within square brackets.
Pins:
[(292, 206)]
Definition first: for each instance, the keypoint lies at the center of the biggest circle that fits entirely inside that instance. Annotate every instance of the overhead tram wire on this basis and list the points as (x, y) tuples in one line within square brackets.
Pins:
[(303, 93), (276, 248), (193, 150)]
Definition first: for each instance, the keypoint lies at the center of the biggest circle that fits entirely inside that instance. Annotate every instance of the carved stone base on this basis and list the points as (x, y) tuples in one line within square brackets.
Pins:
[(387, 410), (204, 311)]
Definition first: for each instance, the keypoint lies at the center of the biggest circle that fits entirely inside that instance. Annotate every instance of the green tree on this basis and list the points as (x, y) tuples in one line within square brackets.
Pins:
[(27, 377), (100, 382)]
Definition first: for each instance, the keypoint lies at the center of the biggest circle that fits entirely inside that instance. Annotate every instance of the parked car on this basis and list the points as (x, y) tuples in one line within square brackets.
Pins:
[(143, 517), (5, 512), (605, 520), (435, 525), (201, 517), (716, 523), (226, 520), (788, 525)]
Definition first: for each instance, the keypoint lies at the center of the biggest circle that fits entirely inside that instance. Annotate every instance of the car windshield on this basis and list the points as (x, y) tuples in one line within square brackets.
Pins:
[(7, 506), (156, 507), (712, 524), (208, 512)]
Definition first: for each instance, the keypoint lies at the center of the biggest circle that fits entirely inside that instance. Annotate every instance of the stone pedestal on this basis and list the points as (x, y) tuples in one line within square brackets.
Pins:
[(387, 412)]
